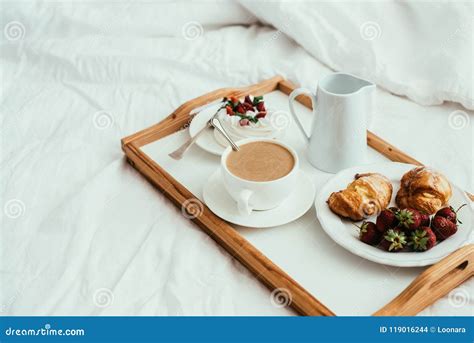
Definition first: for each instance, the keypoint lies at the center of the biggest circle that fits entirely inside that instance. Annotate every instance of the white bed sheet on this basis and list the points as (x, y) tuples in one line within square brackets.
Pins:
[(82, 233), (419, 49)]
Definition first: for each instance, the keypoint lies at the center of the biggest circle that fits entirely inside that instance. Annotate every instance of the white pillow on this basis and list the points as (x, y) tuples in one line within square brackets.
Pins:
[(421, 50)]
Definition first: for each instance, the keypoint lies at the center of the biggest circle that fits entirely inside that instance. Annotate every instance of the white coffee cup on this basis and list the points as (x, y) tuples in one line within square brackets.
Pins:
[(258, 195)]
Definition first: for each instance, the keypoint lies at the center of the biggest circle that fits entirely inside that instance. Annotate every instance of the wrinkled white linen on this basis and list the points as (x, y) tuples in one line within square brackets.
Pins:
[(423, 50), (82, 233)]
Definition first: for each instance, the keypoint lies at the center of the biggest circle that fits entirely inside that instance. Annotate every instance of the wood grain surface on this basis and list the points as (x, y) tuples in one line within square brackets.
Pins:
[(434, 283), (180, 117), (283, 286), (426, 289)]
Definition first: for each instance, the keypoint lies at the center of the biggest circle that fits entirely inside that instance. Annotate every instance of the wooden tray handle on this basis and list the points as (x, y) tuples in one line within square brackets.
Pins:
[(432, 284), (286, 289), (180, 117)]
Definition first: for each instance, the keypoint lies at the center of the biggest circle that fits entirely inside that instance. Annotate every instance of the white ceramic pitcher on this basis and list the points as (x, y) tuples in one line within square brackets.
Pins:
[(341, 108)]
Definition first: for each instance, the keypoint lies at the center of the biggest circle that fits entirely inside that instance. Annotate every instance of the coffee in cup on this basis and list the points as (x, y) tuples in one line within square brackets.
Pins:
[(260, 161), (260, 175)]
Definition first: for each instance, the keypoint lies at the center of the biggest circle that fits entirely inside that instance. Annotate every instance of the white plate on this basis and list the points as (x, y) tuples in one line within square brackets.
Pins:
[(221, 204), (345, 234), (206, 140)]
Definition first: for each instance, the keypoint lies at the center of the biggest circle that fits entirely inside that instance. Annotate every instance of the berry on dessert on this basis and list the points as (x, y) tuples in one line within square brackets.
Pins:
[(443, 227), (409, 219), (229, 110), (450, 213), (244, 122), (249, 111), (261, 115), (393, 240), (239, 108), (422, 239), (247, 106), (247, 117), (368, 233), (386, 220)]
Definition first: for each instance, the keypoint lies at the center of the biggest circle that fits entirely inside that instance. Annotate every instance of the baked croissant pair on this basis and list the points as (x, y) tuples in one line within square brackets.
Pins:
[(421, 188)]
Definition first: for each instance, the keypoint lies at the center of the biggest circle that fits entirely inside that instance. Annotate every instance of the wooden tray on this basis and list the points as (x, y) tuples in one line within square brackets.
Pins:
[(433, 283)]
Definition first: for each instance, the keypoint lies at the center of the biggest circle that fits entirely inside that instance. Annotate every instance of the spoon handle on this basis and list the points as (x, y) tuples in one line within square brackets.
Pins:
[(178, 153), (218, 126)]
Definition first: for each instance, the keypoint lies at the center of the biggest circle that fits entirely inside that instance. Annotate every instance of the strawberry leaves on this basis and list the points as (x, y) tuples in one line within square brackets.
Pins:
[(234, 107)]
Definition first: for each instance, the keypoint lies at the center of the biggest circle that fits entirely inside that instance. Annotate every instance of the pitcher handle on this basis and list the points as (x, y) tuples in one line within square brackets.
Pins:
[(293, 95)]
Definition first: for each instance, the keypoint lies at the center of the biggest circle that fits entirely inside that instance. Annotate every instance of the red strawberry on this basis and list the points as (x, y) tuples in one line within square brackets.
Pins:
[(239, 108), (422, 239), (261, 106), (229, 110), (409, 219), (443, 227), (386, 220), (368, 233), (450, 214), (247, 106), (234, 100), (425, 219), (248, 100), (394, 240), (261, 115), (244, 122)]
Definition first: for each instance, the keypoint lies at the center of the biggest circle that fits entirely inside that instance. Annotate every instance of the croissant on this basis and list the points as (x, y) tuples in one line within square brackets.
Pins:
[(424, 190), (367, 195)]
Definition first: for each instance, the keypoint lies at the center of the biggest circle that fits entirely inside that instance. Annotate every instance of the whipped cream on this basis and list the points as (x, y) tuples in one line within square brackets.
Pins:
[(264, 128)]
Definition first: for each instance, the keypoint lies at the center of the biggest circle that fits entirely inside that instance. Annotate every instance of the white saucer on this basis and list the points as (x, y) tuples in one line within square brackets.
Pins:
[(297, 204), (343, 232), (206, 140)]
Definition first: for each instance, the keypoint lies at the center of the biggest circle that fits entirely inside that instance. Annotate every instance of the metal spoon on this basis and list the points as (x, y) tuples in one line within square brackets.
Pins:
[(213, 122)]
